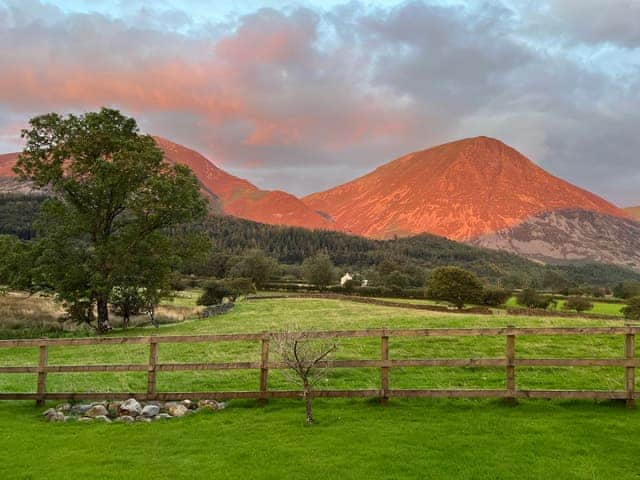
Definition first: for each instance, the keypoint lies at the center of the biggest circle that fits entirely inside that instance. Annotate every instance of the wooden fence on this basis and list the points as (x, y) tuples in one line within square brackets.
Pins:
[(384, 363)]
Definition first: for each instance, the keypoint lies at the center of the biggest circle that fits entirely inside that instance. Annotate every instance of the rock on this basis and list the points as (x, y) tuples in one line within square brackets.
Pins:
[(97, 411), (85, 419), (48, 412), (208, 405), (55, 416), (222, 405), (67, 418), (142, 419), (131, 407), (125, 419), (114, 408), (189, 404), (80, 409), (151, 410), (162, 416), (177, 410), (64, 407), (102, 418)]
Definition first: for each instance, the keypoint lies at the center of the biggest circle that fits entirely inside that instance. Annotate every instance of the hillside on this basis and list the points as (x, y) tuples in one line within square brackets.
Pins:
[(292, 245), (229, 194), (569, 235), (634, 212), (458, 190)]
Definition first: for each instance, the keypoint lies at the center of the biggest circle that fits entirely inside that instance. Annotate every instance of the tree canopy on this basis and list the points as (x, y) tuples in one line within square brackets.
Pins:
[(114, 200), (454, 285)]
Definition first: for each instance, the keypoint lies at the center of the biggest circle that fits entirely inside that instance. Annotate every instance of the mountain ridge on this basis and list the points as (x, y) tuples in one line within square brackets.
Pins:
[(459, 190)]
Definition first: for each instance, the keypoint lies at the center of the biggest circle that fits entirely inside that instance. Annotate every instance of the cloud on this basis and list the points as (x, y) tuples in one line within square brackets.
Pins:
[(303, 98)]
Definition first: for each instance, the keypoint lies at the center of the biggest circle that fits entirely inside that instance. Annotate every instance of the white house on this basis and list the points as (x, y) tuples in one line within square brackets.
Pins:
[(345, 278)]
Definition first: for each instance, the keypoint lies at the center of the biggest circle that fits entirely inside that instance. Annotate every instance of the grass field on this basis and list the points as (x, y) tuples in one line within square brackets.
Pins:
[(479, 439), (599, 308)]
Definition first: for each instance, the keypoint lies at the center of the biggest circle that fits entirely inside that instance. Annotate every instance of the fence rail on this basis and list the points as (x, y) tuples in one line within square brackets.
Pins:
[(510, 362)]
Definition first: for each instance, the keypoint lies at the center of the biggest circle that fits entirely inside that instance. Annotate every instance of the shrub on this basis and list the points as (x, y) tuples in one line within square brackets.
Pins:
[(214, 293), (579, 304), (530, 298), (632, 310), (494, 297)]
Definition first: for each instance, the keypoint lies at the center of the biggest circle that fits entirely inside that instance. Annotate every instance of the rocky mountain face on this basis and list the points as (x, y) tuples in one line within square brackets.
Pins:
[(634, 212), (570, 235), (458, 190)]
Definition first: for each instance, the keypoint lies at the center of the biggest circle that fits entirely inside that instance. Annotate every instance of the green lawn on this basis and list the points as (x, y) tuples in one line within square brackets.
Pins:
[(353, 438)]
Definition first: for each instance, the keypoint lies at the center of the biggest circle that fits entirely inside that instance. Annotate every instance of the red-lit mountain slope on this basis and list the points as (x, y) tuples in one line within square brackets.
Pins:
[(458, 190)]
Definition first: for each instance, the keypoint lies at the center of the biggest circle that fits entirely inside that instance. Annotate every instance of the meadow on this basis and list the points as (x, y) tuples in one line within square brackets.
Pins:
[(409, 438)]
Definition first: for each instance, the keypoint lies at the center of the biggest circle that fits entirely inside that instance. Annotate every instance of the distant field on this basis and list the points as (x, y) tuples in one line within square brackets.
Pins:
[(353, 439), (599, 308)]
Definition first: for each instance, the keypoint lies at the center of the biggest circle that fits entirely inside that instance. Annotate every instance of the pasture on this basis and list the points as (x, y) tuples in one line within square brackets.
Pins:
[(409, 438)]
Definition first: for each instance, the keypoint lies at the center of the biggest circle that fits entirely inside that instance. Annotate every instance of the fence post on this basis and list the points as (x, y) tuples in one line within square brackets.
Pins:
[(384, 370), (264, 369), (43, 358), (630, 370), (511, 366), (153, 362)]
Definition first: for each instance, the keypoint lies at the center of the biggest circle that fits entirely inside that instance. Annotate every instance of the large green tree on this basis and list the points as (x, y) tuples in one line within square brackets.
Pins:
[(319, 270), (115, 198), (454, 285)]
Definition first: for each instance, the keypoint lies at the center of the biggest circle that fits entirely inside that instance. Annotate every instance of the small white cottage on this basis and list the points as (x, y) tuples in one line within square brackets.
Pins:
[(345, 278)]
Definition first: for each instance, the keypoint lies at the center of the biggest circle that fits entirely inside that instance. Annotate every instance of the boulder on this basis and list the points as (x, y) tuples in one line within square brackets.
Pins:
[(125, 419), (102, 418), (96, 411), (79, 409), (55, 417), (208, 405), (151, 410), (142, 419), (176, 410), (64, 407), (85, 419), (131, 407), (188, 403), (162, 416), (114, 408)]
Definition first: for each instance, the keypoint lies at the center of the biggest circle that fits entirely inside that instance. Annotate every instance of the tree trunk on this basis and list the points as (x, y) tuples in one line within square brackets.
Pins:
[(103, 314), (307, 401)]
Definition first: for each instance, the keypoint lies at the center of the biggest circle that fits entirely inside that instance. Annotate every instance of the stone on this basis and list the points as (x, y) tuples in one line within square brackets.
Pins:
[(64, 407), (131, 407), (151, 410), (162, 416), (125, 419), (80, 409), (55, 417), (48, 412), (114, 408), (85, 419), (102, 418), (208, 405), (188, 403), (142, 419), (177, 410), (97, 411)]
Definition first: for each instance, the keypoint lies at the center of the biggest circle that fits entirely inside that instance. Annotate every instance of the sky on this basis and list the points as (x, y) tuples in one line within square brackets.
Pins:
[(304, 95)]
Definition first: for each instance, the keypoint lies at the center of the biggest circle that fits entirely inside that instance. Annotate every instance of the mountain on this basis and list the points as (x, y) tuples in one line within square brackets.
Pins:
[(570, 235), (230, 194), (459, 190), (240, 198), (634, 212)]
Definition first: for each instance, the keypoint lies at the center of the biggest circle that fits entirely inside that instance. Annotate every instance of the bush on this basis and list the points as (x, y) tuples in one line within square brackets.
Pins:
[(632, 310), (215, 291), (454, 285), (239, 287), (494, 297), (530, 298), (579, 304)]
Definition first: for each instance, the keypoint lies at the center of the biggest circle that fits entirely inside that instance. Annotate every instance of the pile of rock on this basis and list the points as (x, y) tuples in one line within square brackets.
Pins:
[(128, 411)]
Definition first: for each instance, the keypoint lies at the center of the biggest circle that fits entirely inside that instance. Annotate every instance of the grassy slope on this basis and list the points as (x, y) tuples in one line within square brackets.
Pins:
[(353, 438)]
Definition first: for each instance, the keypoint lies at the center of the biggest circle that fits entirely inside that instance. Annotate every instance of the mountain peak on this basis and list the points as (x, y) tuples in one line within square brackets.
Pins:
[(460, 190)]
